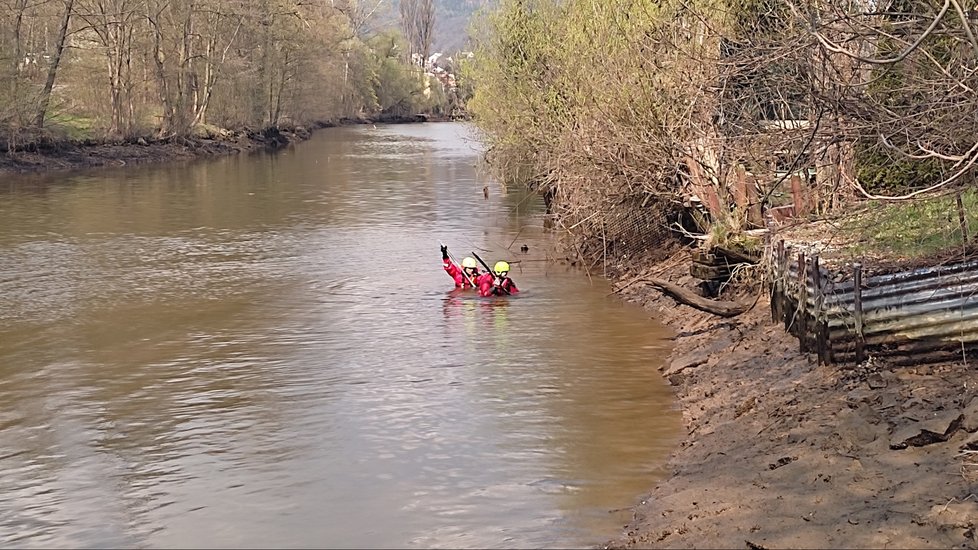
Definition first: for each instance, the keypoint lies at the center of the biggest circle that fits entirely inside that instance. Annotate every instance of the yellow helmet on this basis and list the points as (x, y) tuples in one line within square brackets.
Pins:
[(501, 267), (469, 262)]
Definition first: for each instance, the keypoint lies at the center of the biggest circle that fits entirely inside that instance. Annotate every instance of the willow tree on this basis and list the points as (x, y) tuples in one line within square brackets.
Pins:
[(515, 98), (398, 87), (359, 15)]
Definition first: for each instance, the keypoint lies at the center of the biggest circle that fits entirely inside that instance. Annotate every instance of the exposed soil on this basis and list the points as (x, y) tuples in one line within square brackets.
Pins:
[(40, 153), (781, 452), (63, 155)]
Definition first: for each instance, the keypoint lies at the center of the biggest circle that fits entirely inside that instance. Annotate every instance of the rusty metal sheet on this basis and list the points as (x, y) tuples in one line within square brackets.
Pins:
[(923, 309)]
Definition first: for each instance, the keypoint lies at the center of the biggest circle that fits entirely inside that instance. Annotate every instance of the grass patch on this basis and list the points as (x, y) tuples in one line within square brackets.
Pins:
[(727, 232), (913, 229), (72, 126)]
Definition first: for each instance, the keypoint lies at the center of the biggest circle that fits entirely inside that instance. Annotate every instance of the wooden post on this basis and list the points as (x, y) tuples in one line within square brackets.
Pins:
[(604, 253), (788, 305), (857, 293), (801, 312), (754, 214), (740, 189), (700, 184), (772, 269), (777, 282), (798, 196), (822, 346), (962, 220)]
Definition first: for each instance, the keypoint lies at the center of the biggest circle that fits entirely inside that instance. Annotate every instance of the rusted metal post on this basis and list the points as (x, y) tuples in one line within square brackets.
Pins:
[(740, 189), (801, 312), (798, 196), (857, 293), (962, 220)]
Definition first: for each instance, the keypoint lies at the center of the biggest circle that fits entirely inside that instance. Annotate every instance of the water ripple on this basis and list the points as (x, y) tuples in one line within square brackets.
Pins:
[(262, 351)]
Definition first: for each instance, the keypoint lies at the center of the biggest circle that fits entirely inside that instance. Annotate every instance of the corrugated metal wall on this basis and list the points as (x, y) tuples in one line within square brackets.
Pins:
[(915, 316)]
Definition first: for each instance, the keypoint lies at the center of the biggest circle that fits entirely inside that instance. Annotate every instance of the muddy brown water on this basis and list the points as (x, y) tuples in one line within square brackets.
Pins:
[(265, 352)]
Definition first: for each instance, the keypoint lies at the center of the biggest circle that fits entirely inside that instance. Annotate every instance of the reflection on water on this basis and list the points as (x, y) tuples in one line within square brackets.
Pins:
[(265, 351)]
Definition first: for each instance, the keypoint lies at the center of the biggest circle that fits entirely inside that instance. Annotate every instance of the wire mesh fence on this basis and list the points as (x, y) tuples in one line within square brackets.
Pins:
[(629, 230)]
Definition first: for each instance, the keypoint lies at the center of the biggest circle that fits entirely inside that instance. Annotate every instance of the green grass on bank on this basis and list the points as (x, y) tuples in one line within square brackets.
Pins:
[(72, 126), (913, 229)]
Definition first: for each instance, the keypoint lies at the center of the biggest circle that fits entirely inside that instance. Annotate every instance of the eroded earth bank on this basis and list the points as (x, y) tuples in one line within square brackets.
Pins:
[(781, 452)]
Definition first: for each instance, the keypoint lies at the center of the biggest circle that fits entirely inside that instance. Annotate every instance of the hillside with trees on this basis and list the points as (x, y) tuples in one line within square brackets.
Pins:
[(122, 69)]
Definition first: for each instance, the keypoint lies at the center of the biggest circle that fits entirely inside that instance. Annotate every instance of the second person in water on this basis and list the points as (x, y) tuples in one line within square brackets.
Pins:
[(467, 275), (498, 285)]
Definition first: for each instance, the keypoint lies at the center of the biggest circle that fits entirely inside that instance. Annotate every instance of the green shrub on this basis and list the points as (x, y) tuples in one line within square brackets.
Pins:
[(879, 172)]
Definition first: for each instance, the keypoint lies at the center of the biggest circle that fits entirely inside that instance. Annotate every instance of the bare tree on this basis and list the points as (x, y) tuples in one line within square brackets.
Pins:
[(55, 63), (359, 13), (418, 25), (171, 65), (191, 43), (114, 24)]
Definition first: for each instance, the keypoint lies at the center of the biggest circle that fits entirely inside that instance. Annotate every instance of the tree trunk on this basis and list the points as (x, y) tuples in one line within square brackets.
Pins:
[(115, 95), (680, 294), (211, 72), (18, 24), (59, 48), (186, 83), (159, 59), (20, 7), (277, 112)]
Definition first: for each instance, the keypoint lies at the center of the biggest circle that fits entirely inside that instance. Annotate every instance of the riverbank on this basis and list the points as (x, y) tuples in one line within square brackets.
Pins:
[(783, 452), (45, 154)]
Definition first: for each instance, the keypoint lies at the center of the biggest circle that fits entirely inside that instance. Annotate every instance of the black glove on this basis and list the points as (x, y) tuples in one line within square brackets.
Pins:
[(444, 252)]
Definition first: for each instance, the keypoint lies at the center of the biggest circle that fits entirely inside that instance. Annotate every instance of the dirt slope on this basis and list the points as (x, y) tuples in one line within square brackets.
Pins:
[(782, 452)]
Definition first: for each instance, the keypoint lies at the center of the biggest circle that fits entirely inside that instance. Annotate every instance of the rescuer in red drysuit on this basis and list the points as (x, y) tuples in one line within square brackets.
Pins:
[(466, 276), (500, 285)]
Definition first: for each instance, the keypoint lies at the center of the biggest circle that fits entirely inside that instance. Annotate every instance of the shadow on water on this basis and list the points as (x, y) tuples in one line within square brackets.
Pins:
[(265, 351)]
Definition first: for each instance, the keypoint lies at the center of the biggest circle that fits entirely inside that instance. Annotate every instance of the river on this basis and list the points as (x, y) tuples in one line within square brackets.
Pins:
[(264, 351)]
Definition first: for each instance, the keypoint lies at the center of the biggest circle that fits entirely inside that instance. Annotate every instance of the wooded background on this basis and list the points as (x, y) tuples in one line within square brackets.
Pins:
[(125, 68), (621, 105)]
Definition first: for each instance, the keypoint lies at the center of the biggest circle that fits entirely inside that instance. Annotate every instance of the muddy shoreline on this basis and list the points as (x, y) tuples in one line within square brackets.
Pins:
[(782, 452), (46, 155)]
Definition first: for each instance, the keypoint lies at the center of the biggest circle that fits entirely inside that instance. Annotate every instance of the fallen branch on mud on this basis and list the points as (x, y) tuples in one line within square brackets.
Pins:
[(683, 296)]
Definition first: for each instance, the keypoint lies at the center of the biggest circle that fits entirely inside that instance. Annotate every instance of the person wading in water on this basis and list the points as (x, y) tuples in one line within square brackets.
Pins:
[(465, 276), (500, 284)]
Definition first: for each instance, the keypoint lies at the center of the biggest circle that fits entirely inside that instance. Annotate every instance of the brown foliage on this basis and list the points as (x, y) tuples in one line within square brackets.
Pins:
[(637, 104)]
